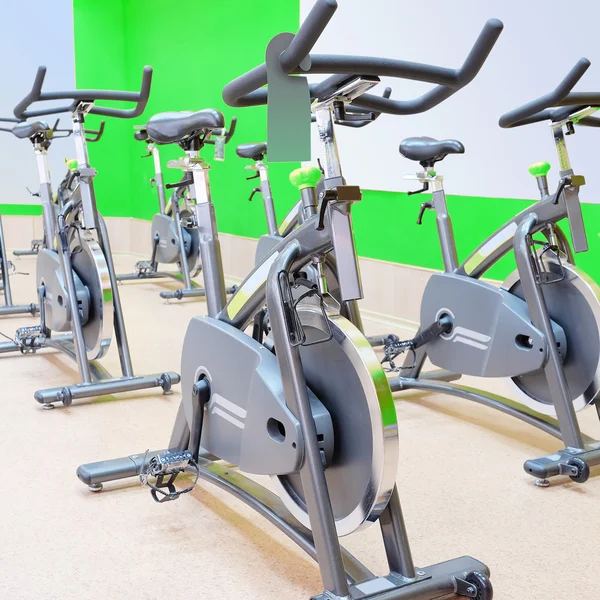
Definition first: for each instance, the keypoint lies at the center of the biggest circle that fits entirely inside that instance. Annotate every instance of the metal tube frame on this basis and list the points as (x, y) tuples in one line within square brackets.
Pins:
[(265, 188), (158, 178)]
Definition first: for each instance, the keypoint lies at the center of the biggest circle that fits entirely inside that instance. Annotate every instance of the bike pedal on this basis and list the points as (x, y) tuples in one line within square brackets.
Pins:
[(25, 338), (172, 460), (165, 468), (143, 267)]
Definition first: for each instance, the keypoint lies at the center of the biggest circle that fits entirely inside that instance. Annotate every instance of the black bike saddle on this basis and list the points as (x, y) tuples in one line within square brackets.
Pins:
[(253, 151), (172, 127), (428, 151), (28, 129)]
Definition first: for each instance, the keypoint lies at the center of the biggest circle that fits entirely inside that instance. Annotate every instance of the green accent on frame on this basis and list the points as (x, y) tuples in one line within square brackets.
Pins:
[(305, 177), (195, 48), (539, 169)]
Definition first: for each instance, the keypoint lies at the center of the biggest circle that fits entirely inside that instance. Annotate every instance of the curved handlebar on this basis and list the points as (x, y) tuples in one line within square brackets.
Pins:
[(95, 133), (21, 110), (246, 89), (536, 110)]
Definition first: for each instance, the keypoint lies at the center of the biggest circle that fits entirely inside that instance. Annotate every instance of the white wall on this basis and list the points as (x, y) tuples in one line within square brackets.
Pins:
[(539, 45), (40, 33)]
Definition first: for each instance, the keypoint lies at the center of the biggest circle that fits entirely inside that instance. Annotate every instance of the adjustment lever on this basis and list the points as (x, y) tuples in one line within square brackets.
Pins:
[(255, 176), (37, 194), (425, 206), (425, 188), (326, 197), (254, 191), (183, 183)]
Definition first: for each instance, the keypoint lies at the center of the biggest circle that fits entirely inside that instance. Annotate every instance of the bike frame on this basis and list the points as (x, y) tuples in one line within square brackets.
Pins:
[(516, 236)]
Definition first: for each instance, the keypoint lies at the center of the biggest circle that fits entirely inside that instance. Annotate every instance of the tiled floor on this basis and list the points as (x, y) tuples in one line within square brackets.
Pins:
[(460, 479)]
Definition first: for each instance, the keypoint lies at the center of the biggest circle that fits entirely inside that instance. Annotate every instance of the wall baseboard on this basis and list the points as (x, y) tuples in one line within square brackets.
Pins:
[(392, 291)]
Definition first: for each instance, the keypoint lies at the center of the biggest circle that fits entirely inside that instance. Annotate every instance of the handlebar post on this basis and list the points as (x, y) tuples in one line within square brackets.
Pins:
[(561, 150), (86, 185), (331, 157)]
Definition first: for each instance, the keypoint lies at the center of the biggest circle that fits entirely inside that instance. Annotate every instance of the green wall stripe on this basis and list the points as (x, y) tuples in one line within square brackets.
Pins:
[(385, 229), (21, 209)]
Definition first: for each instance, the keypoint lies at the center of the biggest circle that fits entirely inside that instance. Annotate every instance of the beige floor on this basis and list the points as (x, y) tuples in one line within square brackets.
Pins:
[(460, 479)]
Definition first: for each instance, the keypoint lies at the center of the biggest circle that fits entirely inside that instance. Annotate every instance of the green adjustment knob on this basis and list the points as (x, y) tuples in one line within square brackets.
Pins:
[(305, 177), (539, 169), (71, 164)]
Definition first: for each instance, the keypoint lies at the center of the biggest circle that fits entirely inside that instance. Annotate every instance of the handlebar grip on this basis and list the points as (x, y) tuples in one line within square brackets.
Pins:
[(516, 116), (481, 49), (141, 102), (308, 34), (34, 94)]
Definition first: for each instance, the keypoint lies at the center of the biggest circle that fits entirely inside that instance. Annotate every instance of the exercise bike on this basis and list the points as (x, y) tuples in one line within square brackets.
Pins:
[(540, 331), (174, 240), (317, 415), (77, 288)]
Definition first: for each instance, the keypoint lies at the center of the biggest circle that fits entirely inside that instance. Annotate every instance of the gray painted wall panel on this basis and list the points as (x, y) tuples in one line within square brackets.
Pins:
[(41, 34)]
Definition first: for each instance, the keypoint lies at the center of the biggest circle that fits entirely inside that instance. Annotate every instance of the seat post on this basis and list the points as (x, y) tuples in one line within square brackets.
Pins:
[(444, 224), (210, 247), (158, 178), (265, 188)]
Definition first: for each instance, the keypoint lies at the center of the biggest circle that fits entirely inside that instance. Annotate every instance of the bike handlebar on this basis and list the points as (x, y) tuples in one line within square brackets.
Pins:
[(21, 110), (226, 133), (95, 134), (540, 109), (246, 89)]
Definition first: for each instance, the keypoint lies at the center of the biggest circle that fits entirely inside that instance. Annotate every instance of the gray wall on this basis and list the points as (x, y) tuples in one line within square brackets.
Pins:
[(538, 46), (40, 33)]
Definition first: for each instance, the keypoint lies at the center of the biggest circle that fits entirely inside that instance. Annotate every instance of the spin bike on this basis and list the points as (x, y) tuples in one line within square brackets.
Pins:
[(326, 435), (540, 331), (76, 279), (174, 239)]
